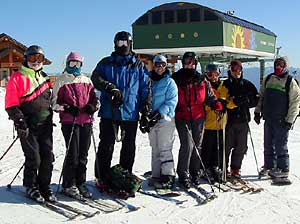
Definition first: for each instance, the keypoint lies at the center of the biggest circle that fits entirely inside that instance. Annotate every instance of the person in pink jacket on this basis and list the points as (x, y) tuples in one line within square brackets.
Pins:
[(75, 100)]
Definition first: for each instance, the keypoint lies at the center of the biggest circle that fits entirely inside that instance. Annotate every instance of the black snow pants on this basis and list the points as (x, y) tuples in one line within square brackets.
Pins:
[(39, 158), (74, 172), (212, 152), (106, 147)]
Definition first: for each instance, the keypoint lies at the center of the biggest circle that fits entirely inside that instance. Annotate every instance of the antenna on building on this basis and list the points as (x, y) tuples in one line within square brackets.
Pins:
[(230, 12)]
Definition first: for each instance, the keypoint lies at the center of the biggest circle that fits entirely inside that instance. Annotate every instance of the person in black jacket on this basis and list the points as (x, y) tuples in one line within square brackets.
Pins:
[(244, 95)]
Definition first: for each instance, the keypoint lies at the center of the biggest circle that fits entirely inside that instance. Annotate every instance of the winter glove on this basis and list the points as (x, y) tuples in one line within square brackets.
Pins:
[(154, 117), (73, 110), (241, 101), (116, 95), (257, 117), (146, 110), (144, 124), (90, 109), (22, 128), (286, 125), (217, 106), (224, 106)]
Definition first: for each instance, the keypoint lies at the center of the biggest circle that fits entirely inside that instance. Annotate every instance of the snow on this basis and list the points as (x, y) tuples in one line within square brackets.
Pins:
[(273, 205)]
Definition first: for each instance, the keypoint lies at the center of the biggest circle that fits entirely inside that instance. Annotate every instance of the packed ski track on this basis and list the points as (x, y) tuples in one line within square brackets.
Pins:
[(275, 204)]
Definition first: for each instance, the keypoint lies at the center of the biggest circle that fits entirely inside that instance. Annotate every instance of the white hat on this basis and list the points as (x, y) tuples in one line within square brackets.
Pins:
[(160, 58)]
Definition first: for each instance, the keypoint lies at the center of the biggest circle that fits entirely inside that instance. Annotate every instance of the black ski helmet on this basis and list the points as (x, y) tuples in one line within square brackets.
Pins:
[(212, 68), (189, 54), (34, 49), (122, 35)]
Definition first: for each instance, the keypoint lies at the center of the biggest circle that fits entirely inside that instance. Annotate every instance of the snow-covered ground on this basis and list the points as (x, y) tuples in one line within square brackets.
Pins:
[(273, 205)]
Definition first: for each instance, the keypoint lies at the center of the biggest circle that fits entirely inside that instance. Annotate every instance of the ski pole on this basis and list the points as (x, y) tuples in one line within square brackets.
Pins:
[(197, 152), (68, 148), (218, 147), (9, 185), (95, 150), (253, 149), (9, 147)]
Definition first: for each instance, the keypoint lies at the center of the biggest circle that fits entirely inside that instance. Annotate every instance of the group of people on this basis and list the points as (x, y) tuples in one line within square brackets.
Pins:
[(211, 117)]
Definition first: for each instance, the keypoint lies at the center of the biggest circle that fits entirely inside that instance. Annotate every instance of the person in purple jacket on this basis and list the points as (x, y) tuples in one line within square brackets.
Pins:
[(75, 100)]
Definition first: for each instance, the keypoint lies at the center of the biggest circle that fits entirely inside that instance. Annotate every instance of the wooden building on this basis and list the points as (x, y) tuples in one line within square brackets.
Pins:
[(11, 57)]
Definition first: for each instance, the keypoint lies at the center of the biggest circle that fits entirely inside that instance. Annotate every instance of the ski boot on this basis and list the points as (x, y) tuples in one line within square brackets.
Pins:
[(34, 194), (185, 182), (236, 173), (72, 192), (167, 181), (48, 195), (278, 173), (196, 179), (84, 191)]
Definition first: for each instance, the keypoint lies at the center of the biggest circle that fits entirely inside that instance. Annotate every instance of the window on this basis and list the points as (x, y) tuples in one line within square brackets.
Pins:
[(156, 17), (169, 16), (195, 15), (182, 16), (209, 16), (143, 20)]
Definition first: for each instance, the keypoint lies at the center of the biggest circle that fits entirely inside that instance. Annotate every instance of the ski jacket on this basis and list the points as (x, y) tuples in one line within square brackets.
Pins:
[(164, 96), (275, 103), (74, 91), (28, 96), (130, 76), (240, 88), (193, 92), (213, 121)]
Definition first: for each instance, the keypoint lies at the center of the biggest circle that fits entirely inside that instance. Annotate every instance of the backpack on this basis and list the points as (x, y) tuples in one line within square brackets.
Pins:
[(287, 84), (122, 180)]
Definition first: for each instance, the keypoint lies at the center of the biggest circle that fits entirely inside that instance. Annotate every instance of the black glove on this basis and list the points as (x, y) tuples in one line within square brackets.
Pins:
[(144, 124), (241, 100), (154, 117), (116, 94), (224, 106), (22, 128), (286, 125), (73, 110), (116, 98), (257, 117), (90, 109), (146, 110)]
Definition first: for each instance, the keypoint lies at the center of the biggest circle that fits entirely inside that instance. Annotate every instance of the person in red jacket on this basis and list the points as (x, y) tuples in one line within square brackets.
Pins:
[(27, 102), (194, 91)]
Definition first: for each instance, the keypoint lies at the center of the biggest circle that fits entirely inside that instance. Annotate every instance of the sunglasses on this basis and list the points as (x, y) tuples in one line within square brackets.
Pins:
[(160, 64), (32, 58), (121, 43), (76, 64), (213, 74)]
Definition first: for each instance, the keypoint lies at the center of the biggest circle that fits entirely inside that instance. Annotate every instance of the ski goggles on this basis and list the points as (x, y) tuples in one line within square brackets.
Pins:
[(76, 64), (121, 43), (213, 74), (160, 64), (32, 58)]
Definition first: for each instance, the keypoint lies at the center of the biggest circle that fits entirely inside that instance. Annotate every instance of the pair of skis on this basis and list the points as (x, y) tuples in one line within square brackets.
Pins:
[(239, 184), (60, 208)]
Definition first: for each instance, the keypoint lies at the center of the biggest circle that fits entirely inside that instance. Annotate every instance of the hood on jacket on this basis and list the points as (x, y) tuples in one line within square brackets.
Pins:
[(286, 65)]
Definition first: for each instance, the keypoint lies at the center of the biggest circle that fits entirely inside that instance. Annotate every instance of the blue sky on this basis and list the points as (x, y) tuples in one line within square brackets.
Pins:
[(61, 26)]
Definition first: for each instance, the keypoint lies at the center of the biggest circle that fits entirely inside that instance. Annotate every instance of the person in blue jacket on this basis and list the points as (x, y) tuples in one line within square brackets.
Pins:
[(160, 123), (123, 81)]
